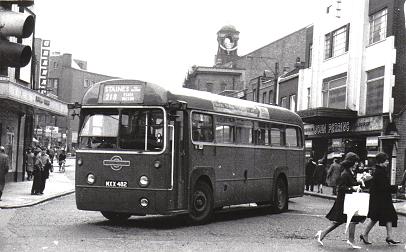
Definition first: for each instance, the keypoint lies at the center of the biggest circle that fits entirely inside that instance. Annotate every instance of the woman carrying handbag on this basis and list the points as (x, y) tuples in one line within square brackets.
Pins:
[(346, 183), (380, 202)]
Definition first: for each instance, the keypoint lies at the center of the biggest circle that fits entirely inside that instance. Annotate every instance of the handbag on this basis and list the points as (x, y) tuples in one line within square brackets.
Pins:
[(355, 204)]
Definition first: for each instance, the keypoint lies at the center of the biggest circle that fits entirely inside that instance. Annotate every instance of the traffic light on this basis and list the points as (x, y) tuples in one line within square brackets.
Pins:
[(19, 25)]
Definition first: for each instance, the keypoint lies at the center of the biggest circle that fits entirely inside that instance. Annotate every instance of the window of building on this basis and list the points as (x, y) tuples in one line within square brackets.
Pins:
[(375, 82), (377, 26), (254, 94), (336, 42), (55, 65), (270, 97), (310, 54), (292, 102), (264, 97), (223, 86), (308, 97), (284, 102), (86, 83), (225, 129), (209, 87), (334, 93), (202, 127)]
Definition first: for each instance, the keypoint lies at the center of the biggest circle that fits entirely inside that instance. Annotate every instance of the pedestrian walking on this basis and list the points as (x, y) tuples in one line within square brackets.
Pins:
[(46, 167), (380, 202), (37, 181), (62, 160), (309, 171), (333, 174), (346, 183), (4, 166), (30, 164), (319, 175)]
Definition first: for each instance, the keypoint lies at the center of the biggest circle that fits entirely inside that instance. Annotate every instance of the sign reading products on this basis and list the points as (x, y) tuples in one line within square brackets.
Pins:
[(360, 125), (124, 93)]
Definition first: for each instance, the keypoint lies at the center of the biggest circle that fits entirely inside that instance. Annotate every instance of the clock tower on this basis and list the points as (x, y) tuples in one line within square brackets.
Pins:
[(227, 39)]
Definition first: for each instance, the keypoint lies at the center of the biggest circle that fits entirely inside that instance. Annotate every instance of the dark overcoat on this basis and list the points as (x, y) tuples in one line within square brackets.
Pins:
[(333, 174), (4, 166), (344, 185), (319, 174), (309, 171), (380, 201)]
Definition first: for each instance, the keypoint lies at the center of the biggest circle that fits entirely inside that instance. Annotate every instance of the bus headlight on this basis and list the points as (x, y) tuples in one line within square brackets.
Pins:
[(144, 181), (79, 161), (91, 179), (157, 164), (144, 202)]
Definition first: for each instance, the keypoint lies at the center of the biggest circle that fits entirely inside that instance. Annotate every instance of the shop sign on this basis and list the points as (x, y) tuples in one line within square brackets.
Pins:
[(372, 141), (362, 124), (308, 144)]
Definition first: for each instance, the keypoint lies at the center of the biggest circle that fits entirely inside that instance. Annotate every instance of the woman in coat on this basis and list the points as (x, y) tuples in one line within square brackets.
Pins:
[(319, 175), (346, 183), (380, 202)]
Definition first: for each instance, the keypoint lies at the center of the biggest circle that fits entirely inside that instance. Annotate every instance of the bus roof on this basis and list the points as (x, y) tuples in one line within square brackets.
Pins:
[(124, 92)]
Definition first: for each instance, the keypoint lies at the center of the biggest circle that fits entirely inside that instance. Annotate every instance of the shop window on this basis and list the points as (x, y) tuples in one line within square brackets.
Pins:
[(202, 127), (377, 26), (336, 42), (375, 84), (334, 93)]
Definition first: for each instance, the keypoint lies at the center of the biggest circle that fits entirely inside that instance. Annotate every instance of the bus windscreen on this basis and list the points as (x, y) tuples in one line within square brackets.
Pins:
[(126, 129)]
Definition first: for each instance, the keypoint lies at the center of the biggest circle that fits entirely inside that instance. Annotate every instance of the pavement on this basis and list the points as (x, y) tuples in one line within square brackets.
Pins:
[(18, 194), (399, 204)]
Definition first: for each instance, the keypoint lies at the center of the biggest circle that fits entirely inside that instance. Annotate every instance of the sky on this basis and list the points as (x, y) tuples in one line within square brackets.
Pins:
[(160, 40)]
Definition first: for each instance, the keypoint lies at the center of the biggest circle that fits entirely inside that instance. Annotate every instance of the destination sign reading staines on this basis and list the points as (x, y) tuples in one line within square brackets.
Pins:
[(124, 93)]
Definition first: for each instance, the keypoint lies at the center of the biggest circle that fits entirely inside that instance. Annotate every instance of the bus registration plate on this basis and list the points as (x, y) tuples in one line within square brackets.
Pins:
[(110, 183)]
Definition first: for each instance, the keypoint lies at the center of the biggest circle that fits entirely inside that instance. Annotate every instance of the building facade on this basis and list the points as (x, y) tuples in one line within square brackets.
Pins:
[(353, 94), (68, 79)]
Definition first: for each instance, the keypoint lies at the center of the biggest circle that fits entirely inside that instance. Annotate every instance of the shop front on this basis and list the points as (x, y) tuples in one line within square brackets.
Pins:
[(18, 107)]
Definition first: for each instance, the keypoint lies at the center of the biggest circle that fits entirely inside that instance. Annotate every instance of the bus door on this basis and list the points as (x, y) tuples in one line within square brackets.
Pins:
[(177, 124)]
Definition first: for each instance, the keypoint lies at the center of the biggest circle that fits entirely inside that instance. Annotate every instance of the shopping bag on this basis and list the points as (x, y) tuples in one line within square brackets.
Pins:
[(355, 204)]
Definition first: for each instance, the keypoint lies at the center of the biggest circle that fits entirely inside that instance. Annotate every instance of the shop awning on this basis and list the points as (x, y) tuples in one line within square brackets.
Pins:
[(322, 114), (27, 96)]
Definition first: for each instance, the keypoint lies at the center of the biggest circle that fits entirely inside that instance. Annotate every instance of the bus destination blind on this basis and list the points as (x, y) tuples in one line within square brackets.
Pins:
[(124, 93)]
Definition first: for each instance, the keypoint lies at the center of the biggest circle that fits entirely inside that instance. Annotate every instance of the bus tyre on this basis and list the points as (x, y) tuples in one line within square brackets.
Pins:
[(116, 217), (280, 202), (201, 204)]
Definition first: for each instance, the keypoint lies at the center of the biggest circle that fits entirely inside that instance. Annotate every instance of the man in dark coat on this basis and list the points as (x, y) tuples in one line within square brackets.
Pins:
[(333, 174), (309, 171), (4, 166)]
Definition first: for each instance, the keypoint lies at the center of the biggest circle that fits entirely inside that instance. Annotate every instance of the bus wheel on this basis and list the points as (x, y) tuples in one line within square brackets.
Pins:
[(116, 217), (201, 204), (280, 203)]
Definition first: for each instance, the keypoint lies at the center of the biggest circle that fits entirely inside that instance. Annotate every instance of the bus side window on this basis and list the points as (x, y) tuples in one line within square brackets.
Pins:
[(225, 129), (202, 127), (244, 131), (262, 134), (291, 137), (276, 135)]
